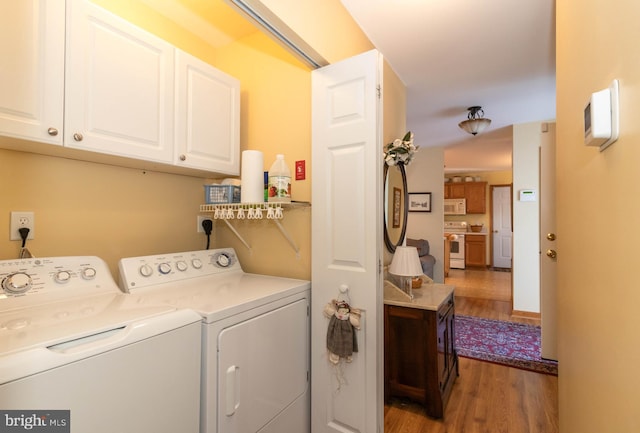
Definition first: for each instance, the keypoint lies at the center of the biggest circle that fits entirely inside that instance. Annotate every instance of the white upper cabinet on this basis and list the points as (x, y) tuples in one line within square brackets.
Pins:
[(115, 90), (119, 86), (207, 116), (32, 71)]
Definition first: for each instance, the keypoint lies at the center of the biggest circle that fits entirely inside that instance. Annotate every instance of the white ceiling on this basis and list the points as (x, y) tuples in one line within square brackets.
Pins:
[(452, 54)]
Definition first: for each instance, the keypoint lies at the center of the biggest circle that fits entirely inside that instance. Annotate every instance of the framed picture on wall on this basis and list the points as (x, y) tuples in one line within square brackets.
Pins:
[(396, 207), (419, 202)]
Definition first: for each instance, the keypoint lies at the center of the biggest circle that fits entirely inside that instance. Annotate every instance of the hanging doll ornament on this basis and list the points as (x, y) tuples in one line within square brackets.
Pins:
[(341, 335)]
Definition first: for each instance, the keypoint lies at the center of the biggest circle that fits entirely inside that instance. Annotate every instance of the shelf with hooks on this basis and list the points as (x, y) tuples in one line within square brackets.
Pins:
[(253, 211)]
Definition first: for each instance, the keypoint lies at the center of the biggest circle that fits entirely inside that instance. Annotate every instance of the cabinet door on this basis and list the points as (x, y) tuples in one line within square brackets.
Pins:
[(207, 117), (475, 193), (118, 86), (475, 254), (32, 72), (453, 190)]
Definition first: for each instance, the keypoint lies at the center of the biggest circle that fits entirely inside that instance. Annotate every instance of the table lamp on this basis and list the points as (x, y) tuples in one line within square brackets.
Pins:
[(406, 265)]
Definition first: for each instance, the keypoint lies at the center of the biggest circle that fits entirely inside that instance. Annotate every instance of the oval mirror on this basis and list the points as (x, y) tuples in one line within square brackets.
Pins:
[(395, 205)]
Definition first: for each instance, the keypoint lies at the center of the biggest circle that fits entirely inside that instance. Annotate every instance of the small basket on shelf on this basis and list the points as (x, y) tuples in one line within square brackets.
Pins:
[(476, 228), (221, 194)]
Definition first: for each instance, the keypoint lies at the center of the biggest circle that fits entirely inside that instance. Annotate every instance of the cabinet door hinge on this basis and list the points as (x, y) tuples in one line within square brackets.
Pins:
[(379, 91)]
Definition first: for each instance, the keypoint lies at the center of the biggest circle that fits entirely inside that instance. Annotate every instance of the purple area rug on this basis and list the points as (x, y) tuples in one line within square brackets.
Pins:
[(512, 344)]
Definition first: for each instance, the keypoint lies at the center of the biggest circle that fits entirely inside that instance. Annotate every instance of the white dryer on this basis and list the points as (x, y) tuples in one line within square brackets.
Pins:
[(255, 375), (70, 340)]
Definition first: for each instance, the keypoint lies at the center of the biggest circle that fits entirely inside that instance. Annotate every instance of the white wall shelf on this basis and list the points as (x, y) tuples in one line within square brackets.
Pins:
[(253, 211)]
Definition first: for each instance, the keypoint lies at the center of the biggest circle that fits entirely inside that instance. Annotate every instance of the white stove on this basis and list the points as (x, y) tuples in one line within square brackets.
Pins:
[(255, 372), (67, 331), (456, 229)]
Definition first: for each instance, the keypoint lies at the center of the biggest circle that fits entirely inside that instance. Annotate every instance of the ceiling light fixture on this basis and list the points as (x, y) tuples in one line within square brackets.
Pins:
[(475, 123)]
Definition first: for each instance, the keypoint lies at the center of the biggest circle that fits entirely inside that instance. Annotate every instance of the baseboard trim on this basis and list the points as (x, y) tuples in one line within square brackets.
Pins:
[(525, 314)]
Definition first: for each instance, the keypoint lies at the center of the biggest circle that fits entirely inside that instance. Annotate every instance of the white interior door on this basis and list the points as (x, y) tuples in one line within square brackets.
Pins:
[(501, 226), (548, 261), (347, 240)]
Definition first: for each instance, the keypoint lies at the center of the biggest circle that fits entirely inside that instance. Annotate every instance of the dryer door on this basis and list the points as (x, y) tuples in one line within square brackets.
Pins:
[(263, 368)]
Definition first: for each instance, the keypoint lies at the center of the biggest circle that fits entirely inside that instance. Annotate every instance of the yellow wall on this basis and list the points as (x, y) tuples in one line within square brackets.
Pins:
[(275, 118), (597, 196), (323, 24), (84, 208)]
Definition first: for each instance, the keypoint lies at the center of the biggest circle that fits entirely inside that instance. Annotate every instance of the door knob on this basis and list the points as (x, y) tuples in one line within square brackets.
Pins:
[(78, 137), (552, 253), (52, 131), (551, 236)]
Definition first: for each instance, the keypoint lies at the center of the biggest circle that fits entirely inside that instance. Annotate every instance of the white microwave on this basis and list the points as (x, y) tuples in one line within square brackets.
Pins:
[(455, 206)]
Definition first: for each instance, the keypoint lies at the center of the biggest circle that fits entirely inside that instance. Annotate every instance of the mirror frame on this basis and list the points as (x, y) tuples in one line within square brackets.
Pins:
[(405, 215)]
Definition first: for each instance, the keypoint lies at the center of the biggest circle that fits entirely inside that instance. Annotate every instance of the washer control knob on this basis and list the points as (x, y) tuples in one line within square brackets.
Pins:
[(146, 270), (223, 260), (17, 283), (164, 268), (181, 265), (62, 277), (196, 263), (88, 273)]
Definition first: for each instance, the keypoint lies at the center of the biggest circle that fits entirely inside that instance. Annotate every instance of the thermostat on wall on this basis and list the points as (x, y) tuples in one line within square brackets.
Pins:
[(528, 195), (601, 119)]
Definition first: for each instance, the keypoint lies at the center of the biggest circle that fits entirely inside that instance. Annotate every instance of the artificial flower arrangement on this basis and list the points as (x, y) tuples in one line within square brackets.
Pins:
[(400, 151)]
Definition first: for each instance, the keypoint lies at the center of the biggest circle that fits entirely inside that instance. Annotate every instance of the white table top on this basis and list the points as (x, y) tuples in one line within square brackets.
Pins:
[(428, 297)]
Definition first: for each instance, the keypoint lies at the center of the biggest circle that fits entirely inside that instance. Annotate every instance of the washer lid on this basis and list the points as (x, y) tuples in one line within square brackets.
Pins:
[(220, 296), (49, 324)]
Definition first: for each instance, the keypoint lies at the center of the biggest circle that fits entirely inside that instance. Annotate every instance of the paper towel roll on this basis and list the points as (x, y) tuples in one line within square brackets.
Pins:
[(252, 176)]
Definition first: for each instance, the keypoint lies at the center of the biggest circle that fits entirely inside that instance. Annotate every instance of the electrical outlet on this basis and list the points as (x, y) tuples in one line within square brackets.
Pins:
[(200, 219), (19, 220)]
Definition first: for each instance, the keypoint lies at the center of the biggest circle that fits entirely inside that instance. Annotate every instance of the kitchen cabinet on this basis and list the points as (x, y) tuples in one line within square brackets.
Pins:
[(475, 250), (454, 190), (32, 84), (473, 192), (126, 96), (207, 116), (421, 362), (119, 86)]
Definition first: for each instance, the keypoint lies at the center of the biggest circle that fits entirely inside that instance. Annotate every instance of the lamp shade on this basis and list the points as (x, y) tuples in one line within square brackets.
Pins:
[(475, 122), (474, 126), (406, 262)]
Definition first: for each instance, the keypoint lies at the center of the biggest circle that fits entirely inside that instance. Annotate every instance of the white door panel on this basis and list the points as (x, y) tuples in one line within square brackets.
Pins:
[(346, 239), (252, 363), (501, 225)]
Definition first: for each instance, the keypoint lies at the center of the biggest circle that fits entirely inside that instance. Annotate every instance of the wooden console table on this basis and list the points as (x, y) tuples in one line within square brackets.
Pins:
[(420, 361)]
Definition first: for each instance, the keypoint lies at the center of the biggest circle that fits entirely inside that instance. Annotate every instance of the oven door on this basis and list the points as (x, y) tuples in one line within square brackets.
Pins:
[(456, 252)]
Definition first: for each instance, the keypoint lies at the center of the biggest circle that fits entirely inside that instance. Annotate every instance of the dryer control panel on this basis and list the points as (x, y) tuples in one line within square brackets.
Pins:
[(139, 272)]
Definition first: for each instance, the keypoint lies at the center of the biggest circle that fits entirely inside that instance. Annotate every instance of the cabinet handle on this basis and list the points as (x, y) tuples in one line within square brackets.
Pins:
[(183, 158), (77, 136), (52, 131), (552, 253)]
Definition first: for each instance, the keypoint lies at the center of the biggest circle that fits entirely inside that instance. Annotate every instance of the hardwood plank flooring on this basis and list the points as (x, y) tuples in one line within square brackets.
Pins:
[(486, 398), (481, 283)]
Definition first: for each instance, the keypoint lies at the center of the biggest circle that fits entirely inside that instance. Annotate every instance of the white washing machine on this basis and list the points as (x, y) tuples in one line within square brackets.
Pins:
[(70, 340), (255, 373)]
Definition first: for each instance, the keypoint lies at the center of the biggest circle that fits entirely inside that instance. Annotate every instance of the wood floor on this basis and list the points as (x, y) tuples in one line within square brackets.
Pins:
[(486, 398)]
